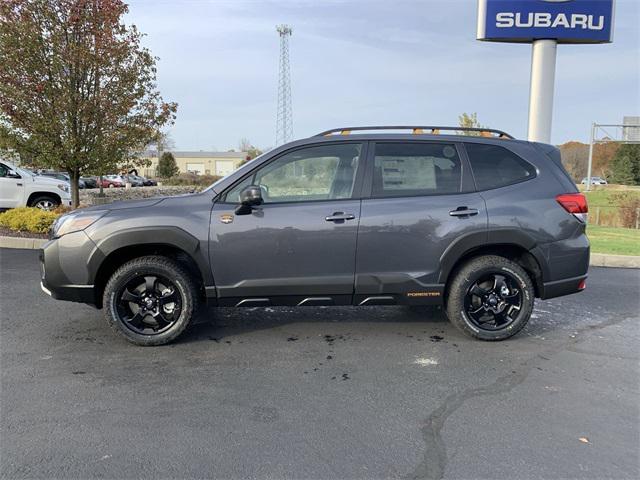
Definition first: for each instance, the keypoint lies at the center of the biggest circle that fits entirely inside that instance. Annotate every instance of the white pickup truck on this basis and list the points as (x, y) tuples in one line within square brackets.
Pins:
[(20, 188)]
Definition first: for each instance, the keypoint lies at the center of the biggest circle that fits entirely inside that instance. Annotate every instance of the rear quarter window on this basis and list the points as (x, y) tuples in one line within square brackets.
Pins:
[(494, 166)]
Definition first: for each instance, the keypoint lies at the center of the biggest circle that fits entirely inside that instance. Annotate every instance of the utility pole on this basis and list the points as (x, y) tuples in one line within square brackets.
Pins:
[(543, 73), (590, 165), (284, 118)]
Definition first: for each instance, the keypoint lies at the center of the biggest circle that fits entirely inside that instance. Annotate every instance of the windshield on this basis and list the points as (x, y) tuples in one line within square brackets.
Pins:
[(21, 171)]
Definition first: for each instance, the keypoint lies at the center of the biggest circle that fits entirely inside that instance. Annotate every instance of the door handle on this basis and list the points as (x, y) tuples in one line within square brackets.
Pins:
[(339, 217), (463, 212)]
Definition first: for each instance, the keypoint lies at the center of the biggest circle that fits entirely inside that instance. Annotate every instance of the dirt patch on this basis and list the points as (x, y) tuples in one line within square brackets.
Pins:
[(5, 232)]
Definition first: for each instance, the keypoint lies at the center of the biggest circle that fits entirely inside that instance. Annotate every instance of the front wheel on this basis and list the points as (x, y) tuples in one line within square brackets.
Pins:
[(490, 298), (45, 202), (150, 300)]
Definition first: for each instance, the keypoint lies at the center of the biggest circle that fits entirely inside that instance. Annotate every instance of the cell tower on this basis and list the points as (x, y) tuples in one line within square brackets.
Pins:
[(284, 120)]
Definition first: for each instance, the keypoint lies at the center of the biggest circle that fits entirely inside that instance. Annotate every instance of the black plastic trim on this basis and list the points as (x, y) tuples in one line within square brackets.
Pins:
[(487, 239), (559, 288), (156, 235)]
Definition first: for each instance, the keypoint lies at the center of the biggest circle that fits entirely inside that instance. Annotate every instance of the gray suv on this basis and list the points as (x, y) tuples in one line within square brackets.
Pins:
[(481, 224)]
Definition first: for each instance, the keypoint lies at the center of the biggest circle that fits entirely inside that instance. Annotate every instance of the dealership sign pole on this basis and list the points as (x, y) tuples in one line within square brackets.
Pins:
[(544, 24)]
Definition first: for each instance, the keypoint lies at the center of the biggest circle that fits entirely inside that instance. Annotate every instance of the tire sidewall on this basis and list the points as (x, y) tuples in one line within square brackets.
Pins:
[(37, 200), (127, 273), (470, 275)]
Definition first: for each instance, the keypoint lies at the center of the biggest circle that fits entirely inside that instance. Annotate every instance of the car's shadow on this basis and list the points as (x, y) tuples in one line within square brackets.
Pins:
[(218, 323)]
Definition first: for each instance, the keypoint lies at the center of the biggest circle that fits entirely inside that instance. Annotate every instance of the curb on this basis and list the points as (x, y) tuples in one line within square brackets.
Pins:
[(610, 260), (22, 242), (596, 260)]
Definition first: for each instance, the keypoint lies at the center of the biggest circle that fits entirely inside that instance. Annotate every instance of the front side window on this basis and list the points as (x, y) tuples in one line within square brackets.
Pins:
[(4, 171), (494, 166), (325, 172), (412, 168)]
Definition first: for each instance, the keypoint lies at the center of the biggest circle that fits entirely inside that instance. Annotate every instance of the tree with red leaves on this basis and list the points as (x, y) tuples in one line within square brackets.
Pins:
[(77, 90)]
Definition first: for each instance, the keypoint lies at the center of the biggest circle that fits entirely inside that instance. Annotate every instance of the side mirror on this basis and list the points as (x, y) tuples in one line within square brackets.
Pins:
[(13, 174), (250, 197)]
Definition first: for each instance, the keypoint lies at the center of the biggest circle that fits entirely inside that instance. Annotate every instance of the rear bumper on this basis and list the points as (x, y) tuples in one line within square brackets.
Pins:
[(566, 265), (559, 288)]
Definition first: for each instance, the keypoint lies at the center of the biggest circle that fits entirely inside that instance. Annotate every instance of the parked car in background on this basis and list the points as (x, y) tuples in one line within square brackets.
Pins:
[(134, 180), (143, 181), (62, 176), (112, 181), (445, 220), (90, 182), (21, 188), (594, 181)]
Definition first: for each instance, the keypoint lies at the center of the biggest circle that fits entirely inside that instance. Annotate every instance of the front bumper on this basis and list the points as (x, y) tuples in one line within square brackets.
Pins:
[(63, 268)]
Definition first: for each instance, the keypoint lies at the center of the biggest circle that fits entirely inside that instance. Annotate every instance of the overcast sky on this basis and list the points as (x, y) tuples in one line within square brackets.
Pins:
[(369, 62)]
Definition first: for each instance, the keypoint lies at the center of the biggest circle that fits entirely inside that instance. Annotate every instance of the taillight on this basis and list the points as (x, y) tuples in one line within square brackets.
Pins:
[(574, 203)]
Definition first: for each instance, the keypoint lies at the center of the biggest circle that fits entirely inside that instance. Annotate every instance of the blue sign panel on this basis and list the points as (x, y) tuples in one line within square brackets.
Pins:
[(567, 21)]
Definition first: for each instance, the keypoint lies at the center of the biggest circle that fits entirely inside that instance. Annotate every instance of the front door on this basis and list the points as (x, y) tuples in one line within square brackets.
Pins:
[(421, 200), (299, 246)]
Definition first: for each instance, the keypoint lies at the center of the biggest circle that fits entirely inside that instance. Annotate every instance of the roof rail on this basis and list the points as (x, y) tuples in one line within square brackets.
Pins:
[(419, 130)]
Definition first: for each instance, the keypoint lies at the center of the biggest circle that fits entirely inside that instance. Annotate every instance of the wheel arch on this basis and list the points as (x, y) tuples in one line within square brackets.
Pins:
[(513, 245), (172, 242), (35, 195)]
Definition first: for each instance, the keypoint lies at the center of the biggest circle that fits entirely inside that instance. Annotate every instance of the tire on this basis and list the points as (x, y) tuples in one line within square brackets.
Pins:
[(150, 312), (490, 298), (45, 202)]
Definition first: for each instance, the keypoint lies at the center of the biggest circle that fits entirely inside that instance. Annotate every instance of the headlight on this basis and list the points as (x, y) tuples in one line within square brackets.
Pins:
[(64, 187), (74, 222)]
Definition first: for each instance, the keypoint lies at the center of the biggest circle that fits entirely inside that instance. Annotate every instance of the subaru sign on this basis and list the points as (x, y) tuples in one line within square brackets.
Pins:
[(565, 21)]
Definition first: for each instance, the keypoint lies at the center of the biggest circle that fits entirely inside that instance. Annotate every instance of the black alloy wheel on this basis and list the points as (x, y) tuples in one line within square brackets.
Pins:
[(149, 304), (493, 301), (490, 297), (151, 300)]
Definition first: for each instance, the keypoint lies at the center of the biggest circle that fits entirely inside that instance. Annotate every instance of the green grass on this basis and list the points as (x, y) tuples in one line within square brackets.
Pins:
[(605, 197), (619, 241)]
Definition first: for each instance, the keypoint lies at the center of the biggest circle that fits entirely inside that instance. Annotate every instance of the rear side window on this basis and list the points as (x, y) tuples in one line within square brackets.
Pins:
[(495, 166), (408, 169)]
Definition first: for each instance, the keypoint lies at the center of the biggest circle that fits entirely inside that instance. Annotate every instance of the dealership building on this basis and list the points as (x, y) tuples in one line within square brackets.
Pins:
[(201, 163)]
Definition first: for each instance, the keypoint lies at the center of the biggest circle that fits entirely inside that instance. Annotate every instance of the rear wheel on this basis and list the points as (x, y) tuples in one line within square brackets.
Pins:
[(490, 298), (45, 202), (150, 300)]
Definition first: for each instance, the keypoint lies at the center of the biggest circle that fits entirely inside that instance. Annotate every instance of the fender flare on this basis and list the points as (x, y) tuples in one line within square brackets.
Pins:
[(492, 238), (157, 235)]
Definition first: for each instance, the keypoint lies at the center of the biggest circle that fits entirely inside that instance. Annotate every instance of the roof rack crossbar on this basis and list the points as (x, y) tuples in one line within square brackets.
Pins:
[(418, 129)]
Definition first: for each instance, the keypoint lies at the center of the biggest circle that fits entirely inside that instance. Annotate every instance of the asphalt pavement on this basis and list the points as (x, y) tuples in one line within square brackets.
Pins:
[(315, 393)]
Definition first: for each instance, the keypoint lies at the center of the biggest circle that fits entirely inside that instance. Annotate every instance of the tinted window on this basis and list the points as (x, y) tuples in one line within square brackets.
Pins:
[(404, 169), (3, 170), (324, 172), (495, 166)]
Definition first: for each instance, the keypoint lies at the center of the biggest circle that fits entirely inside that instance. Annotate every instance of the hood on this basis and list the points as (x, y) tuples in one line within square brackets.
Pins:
[(48, 181), (120, 205)]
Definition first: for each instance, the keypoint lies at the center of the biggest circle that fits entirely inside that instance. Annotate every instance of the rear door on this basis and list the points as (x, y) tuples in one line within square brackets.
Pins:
[(421, 201), (299, 247)]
